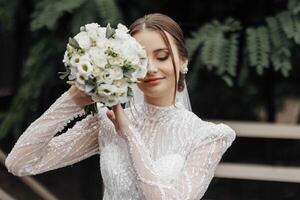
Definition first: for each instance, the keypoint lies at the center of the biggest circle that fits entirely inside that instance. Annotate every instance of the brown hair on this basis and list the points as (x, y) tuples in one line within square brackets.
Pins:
[(160, 22)]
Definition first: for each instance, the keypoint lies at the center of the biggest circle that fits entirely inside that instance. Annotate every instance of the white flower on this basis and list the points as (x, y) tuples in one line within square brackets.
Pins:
[(117, 61), (122, 27), (107, 89), (75, 60), (92, 30), (91, 26), (80, 79), (98, 57), (85, 68), (106, 76), (83, 40), (66, 59), (117, 72)]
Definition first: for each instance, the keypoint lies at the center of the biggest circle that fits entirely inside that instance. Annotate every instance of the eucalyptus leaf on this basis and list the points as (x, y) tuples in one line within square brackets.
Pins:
[(129, 92), (109, 32), (73, 43), (63, 75)]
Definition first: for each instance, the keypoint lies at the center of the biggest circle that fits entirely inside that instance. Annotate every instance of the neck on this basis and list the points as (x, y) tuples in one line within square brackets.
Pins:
[(159, 101)]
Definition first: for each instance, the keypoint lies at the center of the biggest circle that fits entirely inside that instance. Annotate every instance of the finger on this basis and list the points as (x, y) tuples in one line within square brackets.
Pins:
[(110, 114)]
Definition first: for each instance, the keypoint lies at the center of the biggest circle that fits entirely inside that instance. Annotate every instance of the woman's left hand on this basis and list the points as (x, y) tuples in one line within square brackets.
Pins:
[(119, 118)]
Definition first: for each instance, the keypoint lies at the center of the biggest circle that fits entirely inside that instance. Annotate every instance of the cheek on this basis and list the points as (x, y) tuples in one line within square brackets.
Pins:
[(167, 68)]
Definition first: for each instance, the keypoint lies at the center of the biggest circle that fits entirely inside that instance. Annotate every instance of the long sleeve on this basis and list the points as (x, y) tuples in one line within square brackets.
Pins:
[(198, 169), (39, 150)]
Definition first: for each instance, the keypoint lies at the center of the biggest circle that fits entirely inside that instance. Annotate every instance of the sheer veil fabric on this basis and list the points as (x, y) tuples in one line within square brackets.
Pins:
[(181, 98)]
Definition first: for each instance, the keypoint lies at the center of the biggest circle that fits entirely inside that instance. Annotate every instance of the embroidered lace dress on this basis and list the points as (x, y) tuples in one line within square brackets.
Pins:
[(169, 153)]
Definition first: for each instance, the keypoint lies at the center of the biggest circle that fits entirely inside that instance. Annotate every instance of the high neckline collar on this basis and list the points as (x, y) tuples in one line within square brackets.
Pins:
[(152, 111)]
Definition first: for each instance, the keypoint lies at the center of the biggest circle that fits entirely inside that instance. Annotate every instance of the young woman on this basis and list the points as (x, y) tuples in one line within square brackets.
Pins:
[(155, 149)]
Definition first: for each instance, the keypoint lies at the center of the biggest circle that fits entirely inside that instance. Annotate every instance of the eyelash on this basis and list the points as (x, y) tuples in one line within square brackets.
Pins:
[(163, 58)]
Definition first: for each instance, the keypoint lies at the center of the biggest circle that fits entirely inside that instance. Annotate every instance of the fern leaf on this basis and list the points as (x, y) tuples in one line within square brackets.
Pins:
[(258, 47), (86, 14), (47, 12), (286, 22), (109, 12)]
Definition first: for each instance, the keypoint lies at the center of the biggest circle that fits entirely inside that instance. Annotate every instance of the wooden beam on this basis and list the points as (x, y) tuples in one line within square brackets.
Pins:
[(258, 172), (38, 188), (263, 130), (5, 196)]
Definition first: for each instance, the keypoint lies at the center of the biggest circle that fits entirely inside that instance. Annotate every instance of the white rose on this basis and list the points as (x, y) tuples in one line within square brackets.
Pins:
[(117, 61), (98, 57), (102, 43), (83, 40), (92, 26), (117, 72), (122, 27), (92, 30)]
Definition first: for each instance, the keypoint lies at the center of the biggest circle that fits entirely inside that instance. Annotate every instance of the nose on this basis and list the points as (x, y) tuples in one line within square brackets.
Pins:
[(151, 68)]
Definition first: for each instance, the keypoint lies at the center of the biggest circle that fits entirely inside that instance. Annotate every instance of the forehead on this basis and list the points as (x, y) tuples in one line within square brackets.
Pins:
[(152, 40)]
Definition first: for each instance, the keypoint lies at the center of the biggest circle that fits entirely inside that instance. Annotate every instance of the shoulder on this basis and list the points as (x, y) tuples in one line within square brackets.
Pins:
[(206, 131)]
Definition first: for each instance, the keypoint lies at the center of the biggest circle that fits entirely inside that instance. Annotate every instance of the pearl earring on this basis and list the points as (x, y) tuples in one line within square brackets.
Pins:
[(184, 68)]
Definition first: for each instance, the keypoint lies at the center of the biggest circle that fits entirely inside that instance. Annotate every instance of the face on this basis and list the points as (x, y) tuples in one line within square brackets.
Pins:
[(159, 82)]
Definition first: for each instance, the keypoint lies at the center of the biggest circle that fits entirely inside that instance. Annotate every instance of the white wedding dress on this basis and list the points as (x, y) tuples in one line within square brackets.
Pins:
[(171, 154)]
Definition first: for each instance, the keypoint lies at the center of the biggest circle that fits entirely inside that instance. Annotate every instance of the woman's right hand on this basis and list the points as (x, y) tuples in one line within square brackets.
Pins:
[(80, 97)]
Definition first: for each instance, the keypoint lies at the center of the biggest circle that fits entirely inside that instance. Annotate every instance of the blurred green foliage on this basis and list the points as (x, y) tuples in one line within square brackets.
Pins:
[(227, 49)]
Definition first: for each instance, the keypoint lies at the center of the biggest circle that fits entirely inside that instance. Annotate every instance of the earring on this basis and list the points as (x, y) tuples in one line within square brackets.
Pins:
[(184, 68)]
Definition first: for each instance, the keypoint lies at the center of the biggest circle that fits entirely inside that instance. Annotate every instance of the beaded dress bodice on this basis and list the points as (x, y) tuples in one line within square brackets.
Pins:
[(170, 154)]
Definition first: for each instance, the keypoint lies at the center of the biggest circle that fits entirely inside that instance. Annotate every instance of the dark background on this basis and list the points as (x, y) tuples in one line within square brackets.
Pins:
[(31, 56)]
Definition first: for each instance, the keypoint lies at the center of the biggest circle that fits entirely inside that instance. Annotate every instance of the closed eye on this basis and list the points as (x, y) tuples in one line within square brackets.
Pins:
[(163, 58)]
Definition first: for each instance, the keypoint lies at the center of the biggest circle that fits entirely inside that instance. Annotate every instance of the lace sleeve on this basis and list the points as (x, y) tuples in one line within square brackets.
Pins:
[(198, 170), (37, 150)]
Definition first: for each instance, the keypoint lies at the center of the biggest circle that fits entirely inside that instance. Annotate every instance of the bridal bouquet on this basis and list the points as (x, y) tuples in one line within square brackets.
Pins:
[(105, 63)]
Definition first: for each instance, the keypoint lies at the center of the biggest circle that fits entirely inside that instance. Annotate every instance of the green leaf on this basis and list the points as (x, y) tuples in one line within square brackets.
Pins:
[(74, 43), (110, 32), (129, 92), (47, 13), (64, 74)]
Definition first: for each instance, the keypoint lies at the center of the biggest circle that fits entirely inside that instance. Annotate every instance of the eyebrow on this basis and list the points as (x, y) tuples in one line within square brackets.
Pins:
[(160, 49)]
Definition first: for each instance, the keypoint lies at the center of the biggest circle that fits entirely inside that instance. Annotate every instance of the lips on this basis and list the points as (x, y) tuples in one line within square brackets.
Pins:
[(152, 79)]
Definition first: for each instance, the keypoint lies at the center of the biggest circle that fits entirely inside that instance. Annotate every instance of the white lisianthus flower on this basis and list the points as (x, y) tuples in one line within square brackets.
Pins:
[(66, 59), (107, 89), (122, 84), (96, 71), (85, 68), (80, 78), (83, 40), (106, 76), (75, 60)]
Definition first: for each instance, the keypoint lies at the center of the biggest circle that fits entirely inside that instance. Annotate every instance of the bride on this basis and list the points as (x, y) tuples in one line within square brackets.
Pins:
[(155, 148)]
